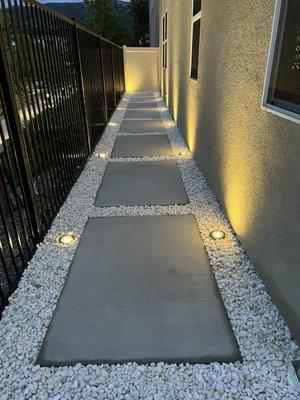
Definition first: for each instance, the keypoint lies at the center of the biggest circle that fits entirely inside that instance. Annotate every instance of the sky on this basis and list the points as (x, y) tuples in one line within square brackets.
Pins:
[(67, 1)]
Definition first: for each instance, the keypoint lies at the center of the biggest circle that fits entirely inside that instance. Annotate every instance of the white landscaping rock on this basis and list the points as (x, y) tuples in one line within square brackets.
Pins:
[(264, 339)]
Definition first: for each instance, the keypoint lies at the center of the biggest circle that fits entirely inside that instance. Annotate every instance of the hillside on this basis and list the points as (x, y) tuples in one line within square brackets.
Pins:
[(77, 10)]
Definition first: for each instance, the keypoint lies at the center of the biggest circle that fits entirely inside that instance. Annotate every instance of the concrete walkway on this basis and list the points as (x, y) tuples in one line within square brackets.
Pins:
[(147, 292), (47, 292)]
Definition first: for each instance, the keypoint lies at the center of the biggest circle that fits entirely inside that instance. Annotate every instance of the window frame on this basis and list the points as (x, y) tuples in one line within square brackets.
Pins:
[(272, 65), (164, 41), (195, 18)]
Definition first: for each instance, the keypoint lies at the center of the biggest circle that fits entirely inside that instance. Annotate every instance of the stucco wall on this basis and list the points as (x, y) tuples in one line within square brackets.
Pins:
[(182, 93), (249, 156), (141, 69)]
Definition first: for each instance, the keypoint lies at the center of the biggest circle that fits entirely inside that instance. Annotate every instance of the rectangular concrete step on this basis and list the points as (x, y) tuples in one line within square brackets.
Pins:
[(139, 114), (139, 289), (142, 106), (142, 100), (141, 183), (138, 95), (139, 126), (142, 146)]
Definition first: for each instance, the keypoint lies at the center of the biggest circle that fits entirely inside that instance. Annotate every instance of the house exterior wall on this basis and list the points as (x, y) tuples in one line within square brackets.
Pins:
[(250, 156)]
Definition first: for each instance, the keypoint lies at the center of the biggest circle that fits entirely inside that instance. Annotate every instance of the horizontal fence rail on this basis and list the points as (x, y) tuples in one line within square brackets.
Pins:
[(59, 85)]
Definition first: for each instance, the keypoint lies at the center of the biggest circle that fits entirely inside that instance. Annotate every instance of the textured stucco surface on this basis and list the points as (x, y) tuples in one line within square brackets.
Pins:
[(249, 156)]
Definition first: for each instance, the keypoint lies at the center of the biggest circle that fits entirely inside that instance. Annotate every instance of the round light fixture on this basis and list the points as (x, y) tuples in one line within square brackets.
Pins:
[(112, 124), (217, 234), (102, 155), (67, 239)]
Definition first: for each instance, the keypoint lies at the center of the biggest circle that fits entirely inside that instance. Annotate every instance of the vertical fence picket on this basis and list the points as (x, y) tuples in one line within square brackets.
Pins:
[(17, 137), (59, 84), (82, 88), (103, 79)]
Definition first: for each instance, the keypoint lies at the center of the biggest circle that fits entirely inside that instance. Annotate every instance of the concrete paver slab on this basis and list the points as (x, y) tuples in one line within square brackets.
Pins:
[(141, 94), (139, 289), (146, 105), (141, 183), (142, 100), (138, 126), (154, 114), (142, 146)]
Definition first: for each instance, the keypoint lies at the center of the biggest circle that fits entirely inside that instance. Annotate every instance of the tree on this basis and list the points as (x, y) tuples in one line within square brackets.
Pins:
[(140, 14), (104, 19)]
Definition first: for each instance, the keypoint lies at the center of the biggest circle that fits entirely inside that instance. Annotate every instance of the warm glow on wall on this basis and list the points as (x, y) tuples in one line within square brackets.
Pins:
[(141, 67), (242, 187), (192, 116)]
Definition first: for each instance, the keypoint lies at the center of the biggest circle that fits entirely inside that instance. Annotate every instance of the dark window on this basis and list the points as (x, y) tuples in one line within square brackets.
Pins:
[(164, 41), (166, 27), (197, 7), (195, 49), (166, 55), (284, 91)]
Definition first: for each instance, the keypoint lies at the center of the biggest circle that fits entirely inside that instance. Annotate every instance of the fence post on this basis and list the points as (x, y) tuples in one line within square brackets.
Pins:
[(81, 88), (103, 80), (123, 70), (18, 141), (113, 74)]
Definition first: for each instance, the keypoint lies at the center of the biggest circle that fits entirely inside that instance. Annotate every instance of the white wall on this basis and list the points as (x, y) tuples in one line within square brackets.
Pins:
[(141, 69)]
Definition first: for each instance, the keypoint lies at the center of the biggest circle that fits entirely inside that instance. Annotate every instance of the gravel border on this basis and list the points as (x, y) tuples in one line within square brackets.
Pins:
[(264, 339)]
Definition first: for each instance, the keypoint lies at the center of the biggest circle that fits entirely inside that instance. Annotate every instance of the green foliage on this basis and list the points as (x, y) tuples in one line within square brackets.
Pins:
[(140, 13), (119, 22), (103, 18)]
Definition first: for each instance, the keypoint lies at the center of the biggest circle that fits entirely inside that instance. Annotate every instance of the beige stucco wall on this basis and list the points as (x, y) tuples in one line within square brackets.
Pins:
[(141, 69), (182, 93), (249, 156)]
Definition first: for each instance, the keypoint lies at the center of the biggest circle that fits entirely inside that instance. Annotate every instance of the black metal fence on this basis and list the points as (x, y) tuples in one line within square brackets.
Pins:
[(59, 84)]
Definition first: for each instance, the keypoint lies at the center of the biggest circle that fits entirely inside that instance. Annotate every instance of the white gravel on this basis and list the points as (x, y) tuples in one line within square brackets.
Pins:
[(264, 339)]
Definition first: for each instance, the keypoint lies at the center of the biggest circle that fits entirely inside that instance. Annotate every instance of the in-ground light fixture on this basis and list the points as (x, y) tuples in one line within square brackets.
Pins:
[(171, 124), (217, 234), (102, 155), (112, 124), (67, 239), (182, 153)]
